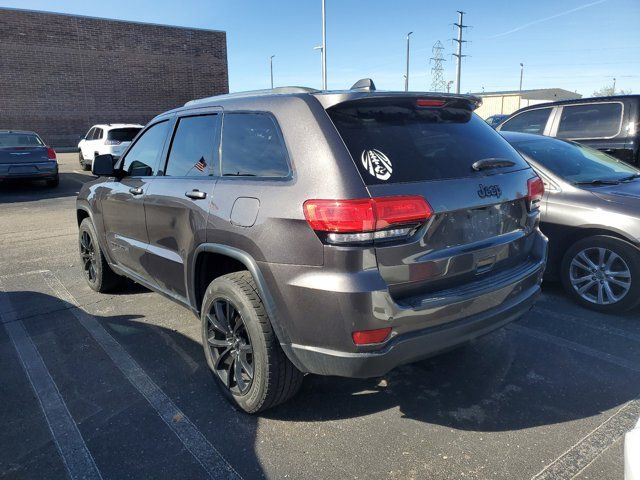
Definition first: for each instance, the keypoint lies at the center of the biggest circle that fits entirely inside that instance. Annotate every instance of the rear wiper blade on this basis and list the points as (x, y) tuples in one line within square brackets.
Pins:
[(598, 182), (239, 174), (487, 163)]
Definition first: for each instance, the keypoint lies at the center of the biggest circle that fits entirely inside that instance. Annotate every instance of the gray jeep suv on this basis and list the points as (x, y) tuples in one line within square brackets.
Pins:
[(327, 232)]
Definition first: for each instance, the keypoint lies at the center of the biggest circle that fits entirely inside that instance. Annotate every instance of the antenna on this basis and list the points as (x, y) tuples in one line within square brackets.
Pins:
[(437, 78)]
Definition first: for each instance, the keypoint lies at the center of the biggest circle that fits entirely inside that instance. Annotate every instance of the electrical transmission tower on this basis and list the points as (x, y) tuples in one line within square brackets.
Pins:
[(437, 78), (459, 55)]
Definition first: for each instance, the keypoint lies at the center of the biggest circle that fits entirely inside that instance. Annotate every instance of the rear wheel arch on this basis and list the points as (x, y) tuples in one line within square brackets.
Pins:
[(239, 260)]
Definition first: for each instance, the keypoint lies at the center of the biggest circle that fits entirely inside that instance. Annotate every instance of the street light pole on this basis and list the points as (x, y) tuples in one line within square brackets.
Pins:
[(521, 72), (614, 86), (271, 67), (406, 76), (324, 46)]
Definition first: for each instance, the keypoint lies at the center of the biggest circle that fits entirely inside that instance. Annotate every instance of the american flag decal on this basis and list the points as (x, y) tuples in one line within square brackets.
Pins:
[(201, 164)]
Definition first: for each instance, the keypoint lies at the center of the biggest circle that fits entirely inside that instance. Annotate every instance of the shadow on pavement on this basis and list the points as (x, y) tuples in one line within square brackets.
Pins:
[(13, 191)]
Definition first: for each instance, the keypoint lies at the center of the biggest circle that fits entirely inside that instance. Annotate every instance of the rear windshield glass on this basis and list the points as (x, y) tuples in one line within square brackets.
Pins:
[(122, 134), (20, 140), (394, 141)]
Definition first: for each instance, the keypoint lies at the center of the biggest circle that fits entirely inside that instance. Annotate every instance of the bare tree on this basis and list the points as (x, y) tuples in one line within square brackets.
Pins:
[(610, 90)]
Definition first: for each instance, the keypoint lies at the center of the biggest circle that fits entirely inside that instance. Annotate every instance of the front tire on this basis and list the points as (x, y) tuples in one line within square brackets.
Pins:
[(603, 273), (97, 271), (241, 348)]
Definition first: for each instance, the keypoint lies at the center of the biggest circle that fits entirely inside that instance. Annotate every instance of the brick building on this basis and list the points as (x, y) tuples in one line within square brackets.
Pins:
[(59, 74)]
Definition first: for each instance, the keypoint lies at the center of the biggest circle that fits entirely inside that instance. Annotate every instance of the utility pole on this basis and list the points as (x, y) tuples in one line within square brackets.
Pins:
[(521, 72), (324, 46), (459, 55), (437, 80), (614, 86), (449, 83), (271, 67), (406, 75)]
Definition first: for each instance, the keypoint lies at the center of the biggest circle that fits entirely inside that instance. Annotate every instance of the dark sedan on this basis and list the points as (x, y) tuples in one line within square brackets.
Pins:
[(23, 155), (591, 214)]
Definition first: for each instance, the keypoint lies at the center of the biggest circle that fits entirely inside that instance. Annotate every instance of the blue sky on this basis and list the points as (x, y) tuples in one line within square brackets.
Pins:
[(579, 45)]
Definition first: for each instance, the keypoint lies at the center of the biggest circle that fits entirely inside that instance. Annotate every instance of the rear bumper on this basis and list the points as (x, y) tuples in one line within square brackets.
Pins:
[(318, 309), (28, 171), (413, 346)]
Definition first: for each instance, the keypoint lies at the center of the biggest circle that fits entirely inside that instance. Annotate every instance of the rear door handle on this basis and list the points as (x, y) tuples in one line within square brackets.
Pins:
[(196, 194), (136, 191)]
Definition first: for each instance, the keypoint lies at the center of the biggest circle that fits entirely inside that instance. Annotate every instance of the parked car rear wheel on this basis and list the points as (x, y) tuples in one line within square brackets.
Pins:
[(603, 273), (241, 347), (96, 270), (54, 182), (83, 163)]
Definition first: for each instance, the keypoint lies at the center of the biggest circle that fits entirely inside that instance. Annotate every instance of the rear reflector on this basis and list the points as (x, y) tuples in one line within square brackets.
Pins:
[(366, 337), (429, 102), (535, 191), (51, 153), (365, 215)]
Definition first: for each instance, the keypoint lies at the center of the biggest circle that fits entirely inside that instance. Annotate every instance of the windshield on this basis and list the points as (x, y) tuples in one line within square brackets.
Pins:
[(122, 134), (573, 162), (12, 139), (395, 141)]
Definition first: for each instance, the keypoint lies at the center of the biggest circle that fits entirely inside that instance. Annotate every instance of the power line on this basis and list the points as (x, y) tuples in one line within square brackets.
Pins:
[(438, 83)]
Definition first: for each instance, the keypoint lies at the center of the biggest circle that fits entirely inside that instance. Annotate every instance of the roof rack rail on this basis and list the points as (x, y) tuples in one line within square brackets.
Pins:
[(254, 93)]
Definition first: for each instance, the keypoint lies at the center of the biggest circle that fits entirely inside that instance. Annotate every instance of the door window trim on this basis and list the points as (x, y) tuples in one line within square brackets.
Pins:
[(561, 109), (140, 134), (290, 173), (547, 125), (215, 149)]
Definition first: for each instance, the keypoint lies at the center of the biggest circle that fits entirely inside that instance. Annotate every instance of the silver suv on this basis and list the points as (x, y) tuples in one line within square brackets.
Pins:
[(327, 232)]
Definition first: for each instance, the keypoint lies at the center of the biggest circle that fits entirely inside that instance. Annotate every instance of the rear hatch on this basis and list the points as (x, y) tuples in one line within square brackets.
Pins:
[(120, 138), (475, 183)]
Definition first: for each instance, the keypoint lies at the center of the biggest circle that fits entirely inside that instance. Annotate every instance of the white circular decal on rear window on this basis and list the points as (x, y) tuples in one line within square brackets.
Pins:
[(377, 164)]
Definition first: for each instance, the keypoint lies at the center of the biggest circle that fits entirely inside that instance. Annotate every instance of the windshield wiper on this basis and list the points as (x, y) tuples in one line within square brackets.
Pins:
[(630, 177), (487, 163), (598, 182), (238, 174)]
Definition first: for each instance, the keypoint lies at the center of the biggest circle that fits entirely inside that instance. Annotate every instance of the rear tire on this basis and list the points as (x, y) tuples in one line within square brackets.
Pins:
[(97, 271), (83, 163), (602, 273), (237, 334), (54, 182)]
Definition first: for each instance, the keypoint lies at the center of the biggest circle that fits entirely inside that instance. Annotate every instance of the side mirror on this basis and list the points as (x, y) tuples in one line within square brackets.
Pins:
[(103, 165)]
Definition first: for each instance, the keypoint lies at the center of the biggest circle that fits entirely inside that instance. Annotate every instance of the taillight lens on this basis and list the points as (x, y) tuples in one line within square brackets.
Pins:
[(429, 102), (51, 154), (112, 142), (535, 191), (367, 337), (362, 220)]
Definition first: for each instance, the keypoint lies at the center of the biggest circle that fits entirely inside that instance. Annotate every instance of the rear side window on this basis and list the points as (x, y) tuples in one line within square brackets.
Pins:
[(122, 134), (396, 141), (596, 120), (252, 146), (97, 135), (192, 149), (142, 159), (531, 121)]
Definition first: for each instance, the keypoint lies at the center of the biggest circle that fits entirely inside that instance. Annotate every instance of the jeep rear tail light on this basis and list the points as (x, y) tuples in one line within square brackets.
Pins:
[(51, 154), (363, 220), (535, 191), (367, 337)]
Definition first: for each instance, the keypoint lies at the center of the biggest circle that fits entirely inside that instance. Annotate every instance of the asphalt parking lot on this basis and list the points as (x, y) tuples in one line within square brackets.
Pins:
[(127, 393)]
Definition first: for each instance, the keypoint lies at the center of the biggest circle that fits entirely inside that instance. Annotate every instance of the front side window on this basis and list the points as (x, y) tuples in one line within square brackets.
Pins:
[(142, 159), (252, 146), (532, 121), (596, 120), (192, 149)]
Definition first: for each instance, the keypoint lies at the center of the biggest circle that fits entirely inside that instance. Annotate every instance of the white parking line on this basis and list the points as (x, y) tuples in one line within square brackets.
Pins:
[(74, 452), (561, 342), (193, 440)]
